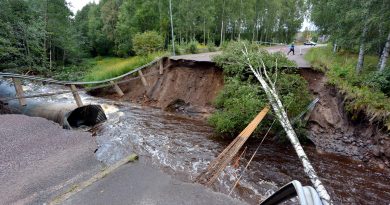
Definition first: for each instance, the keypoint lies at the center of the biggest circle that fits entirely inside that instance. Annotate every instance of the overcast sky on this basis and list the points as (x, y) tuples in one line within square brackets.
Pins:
[(77, 5)]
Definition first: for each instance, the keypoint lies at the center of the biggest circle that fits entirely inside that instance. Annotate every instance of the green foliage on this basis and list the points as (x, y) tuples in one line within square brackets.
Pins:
[(211, 47), (237, 104), (192, 47), (345, 21), (76, 72), (365, 92), (147, 43), (111, 67), (380, 81), (21, 37), (233, 61), (242, 97), (178, 50)]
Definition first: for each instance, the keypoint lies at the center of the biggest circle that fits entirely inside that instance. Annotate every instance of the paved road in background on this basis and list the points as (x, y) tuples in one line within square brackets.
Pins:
[(300, 51)]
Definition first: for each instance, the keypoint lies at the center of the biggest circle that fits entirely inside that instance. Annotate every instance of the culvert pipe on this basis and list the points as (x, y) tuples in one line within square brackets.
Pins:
[(66, 114)]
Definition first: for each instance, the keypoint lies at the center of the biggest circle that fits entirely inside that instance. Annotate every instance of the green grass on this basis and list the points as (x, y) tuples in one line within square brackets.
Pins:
[(106, 68), (359, 94)]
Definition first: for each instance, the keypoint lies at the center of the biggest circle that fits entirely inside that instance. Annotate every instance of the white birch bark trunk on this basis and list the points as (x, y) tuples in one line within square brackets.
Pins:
[(281, 114), (385, 55), (362, 49), (222, 17), (173, 37)]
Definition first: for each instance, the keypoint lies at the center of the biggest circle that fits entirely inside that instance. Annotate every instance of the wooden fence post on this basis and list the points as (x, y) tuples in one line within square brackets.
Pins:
[(76, 95), (117, 89), (161, 66), (144, 82), (19, 91)]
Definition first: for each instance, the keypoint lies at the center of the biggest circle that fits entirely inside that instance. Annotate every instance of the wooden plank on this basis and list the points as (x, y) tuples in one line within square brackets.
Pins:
[(144, 82), (118, 90), (19, 91), (76, 95), (246, 133), (218, 165)]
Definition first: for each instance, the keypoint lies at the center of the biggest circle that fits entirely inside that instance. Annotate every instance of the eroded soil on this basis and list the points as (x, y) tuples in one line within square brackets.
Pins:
[(333, 130)]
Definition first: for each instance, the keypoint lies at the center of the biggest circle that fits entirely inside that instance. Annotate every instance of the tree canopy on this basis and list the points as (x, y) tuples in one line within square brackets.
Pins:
[(358, 25), (45, 34)]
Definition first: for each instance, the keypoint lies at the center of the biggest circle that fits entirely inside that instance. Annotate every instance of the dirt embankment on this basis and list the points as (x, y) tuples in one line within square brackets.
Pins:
[(332, 130), (185, 87)]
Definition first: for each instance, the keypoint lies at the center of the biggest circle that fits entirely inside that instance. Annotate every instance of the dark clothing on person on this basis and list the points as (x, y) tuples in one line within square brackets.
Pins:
[(292, 49)]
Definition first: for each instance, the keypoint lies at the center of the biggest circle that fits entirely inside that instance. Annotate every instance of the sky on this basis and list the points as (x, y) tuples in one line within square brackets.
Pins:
[(77, 5)]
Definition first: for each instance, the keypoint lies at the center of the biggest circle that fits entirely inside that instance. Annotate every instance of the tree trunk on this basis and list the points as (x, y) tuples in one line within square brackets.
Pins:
[(173, 37), (63, 60), (385, 55), (160, 13), (240, 23), (44, 53), (204, 31), (50, 55), (362, 49), (222, 26), (256, 21), (281, 115)]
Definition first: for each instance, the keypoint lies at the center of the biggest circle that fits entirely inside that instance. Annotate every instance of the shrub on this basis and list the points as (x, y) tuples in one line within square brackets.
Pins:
[(238, 103), (147, 43), (379, 81), (192, 47), (242, 97), (233, 63), (211, 47), (177, 49)]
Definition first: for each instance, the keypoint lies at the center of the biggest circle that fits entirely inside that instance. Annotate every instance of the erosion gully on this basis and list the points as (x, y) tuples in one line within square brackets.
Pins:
[(183, 147)]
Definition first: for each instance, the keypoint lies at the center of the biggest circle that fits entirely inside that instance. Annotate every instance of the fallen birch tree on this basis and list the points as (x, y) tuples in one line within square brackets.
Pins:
[(261, 73)]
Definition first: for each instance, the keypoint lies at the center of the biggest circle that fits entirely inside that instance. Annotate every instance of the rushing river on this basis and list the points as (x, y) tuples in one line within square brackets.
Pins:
[(183, 147)]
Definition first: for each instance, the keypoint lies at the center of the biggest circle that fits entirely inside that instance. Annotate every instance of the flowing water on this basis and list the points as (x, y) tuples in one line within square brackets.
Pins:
[(183, 147)]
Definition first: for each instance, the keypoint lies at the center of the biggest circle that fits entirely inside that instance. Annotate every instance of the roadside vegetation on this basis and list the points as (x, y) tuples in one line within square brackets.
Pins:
[(45, 37), (148, 46), (367, 92), (242, 97), (357, 64)]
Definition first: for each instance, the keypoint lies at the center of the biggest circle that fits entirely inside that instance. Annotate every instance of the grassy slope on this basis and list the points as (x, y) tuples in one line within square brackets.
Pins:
[(340, 70), (101, 68), (111, 67)]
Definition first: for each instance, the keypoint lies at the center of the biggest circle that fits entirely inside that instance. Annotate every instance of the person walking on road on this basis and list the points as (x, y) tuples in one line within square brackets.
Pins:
[(292, 49)]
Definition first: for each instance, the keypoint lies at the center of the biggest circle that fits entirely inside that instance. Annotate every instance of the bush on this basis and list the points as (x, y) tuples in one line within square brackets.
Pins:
[(211, 47), (242, 97), (238, 103), (192, 47), (177, 49), (379, 81), (233, 63), (147, 43)]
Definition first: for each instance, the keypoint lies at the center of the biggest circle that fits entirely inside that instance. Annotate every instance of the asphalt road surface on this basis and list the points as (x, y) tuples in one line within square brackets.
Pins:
[(39, 159), (298, 58)]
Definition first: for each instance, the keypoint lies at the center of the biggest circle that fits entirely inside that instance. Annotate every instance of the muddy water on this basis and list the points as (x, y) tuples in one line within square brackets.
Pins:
[(183, 147)]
